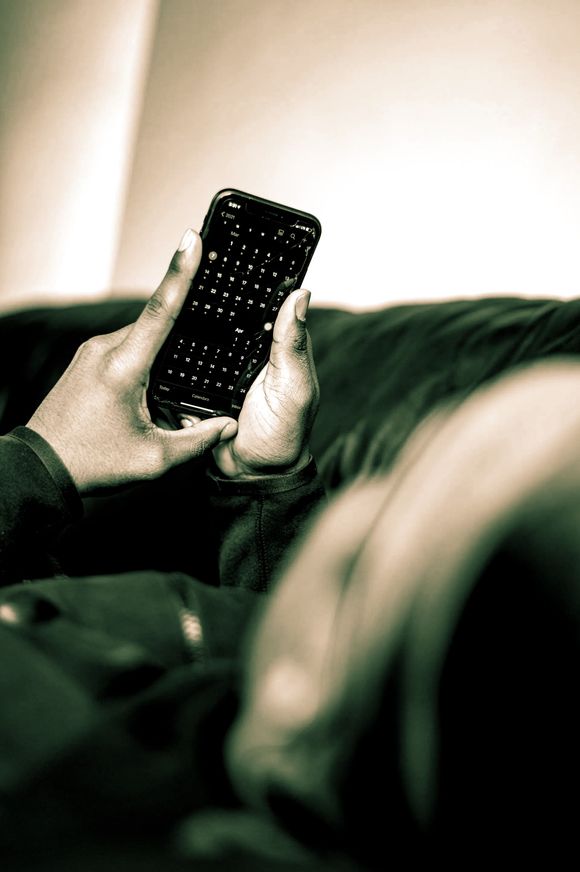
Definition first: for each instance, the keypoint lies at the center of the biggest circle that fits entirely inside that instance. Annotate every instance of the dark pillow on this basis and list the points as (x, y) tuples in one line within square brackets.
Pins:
[(381, 372)]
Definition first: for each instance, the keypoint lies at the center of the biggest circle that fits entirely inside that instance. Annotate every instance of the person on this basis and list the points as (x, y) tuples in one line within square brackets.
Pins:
[(137, 673), (394, 694), (94, 431)]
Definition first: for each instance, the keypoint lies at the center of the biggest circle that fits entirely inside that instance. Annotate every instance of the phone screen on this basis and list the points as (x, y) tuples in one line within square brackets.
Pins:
[(254, 253)]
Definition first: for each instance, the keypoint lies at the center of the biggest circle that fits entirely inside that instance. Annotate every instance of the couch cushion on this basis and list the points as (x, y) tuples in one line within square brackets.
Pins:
[(380, 373)]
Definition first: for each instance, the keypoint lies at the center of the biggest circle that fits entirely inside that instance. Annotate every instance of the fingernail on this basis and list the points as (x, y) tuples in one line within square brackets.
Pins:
[(301, 305), (189, 421), (186, 240)]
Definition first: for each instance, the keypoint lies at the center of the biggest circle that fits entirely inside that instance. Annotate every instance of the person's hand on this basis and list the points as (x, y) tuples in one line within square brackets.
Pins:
[(96, 417), (279, 409)]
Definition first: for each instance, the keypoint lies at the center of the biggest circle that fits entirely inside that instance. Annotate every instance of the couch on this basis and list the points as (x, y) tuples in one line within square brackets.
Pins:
[(382, 374)]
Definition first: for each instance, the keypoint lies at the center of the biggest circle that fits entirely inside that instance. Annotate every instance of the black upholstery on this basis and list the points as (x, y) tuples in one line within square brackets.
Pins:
[(380, 373)]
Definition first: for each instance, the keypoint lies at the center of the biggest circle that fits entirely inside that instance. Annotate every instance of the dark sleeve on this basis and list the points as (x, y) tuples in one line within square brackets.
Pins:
[(37, 499), (259, 521)]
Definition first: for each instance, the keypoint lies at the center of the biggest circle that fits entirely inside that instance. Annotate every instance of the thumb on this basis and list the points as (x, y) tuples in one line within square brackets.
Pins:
[(147, 335), (290, 338), (195, 440)]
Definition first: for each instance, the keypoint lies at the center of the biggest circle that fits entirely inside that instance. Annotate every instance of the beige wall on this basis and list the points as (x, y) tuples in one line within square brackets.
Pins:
[(71, 78), (437, 141)]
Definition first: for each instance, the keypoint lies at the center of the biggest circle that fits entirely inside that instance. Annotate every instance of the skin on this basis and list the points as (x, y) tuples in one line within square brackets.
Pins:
[(97, 420)]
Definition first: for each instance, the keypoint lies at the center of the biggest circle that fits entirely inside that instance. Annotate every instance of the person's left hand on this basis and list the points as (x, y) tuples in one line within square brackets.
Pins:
[(96, 416)]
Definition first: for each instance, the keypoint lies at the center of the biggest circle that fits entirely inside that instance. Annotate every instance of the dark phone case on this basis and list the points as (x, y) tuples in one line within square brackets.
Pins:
[(266, 207), (261, 209)]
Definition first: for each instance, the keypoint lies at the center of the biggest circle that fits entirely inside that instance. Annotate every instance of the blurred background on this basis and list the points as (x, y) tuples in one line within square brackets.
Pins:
[(438, 142)]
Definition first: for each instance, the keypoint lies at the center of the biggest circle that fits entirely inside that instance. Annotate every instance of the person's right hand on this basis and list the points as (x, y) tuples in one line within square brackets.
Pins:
[(280, 407), (96, 417)]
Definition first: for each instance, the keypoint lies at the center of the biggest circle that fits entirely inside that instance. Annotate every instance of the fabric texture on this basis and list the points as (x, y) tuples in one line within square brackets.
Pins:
[(380, 374), (119, 689), (439, 660), (130, 722), (37, 498)]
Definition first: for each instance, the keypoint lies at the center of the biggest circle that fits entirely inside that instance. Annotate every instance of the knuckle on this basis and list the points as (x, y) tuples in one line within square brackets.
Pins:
[(300, 343), (306, 399), (157, 307), (200, 446), (89, 345), (113, 367), (315, 394), (166, 452), (154, 305), (93, 347)]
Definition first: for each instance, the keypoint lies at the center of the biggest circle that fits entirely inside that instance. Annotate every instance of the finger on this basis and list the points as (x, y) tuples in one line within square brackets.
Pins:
[(194, 440), (104, 342), (188, 420), (151, 329)]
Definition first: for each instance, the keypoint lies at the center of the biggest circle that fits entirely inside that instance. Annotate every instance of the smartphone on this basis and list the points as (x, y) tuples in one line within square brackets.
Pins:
[(255, 252)]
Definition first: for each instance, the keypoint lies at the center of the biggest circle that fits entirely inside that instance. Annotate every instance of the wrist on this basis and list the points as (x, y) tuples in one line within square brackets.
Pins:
[(238, 470), (261, 486)]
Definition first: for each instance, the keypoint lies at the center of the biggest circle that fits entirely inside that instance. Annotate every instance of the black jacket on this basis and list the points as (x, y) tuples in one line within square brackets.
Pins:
[(118, 690)]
